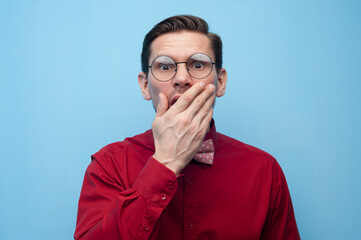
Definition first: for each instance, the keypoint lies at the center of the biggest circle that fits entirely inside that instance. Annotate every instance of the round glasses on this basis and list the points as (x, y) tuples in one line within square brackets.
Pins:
[(164, 68)]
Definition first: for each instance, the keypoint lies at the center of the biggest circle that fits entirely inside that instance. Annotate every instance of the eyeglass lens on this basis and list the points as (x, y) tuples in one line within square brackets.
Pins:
[(164, 68)]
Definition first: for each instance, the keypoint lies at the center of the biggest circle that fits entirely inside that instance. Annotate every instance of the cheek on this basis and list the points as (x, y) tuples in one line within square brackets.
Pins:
[(155, 99), (160, 87), (154, 90), (211, 80)]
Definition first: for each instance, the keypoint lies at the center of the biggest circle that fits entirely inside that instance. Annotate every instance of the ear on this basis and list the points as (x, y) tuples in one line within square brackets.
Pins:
[(144, 85), (221, 82)]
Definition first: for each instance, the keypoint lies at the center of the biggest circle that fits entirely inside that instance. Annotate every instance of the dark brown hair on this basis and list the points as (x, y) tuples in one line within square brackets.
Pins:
[(181, 23)]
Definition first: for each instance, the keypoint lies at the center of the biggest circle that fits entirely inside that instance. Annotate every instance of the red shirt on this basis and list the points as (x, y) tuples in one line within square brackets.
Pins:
[(127, 194)]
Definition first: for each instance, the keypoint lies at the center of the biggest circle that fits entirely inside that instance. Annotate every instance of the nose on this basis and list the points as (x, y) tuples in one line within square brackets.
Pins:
[(182, 77)]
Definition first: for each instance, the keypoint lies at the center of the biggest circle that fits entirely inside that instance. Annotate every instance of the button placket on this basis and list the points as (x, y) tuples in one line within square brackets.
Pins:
[(190, 227), (170, 185), (190, 182)]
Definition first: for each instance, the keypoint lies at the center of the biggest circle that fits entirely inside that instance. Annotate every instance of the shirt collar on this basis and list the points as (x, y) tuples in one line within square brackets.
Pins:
[(212, 134)]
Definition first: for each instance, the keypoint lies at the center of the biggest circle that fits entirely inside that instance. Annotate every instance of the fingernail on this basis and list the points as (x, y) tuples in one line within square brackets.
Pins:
[(211, 86), (201, 84)]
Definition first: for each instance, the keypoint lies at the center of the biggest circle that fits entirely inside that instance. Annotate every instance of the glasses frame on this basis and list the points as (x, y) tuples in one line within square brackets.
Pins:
[(176, 65)]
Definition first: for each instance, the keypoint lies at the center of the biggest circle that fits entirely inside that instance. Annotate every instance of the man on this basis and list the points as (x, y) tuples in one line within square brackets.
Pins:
[(182, 179)]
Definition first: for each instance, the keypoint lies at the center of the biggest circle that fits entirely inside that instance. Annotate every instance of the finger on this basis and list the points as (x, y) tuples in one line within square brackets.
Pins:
[(203, 112), (187, 97), (204, 124), (207, 96), (162, 105)]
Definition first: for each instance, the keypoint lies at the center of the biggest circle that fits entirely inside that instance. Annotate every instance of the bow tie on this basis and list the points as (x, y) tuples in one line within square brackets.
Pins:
[(205, 153)]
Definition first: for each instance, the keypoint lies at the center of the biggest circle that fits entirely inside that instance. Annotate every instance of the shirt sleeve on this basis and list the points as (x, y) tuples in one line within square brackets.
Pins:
[(109, 210), (281, 222)]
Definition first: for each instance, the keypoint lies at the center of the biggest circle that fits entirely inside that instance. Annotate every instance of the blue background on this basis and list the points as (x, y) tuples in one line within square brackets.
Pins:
[(68, 86)]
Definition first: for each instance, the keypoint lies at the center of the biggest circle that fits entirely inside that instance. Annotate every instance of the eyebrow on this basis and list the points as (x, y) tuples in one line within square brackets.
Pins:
[(160, 54)]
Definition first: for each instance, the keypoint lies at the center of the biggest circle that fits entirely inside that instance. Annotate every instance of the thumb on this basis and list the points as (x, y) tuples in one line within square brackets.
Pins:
[(162, 105)]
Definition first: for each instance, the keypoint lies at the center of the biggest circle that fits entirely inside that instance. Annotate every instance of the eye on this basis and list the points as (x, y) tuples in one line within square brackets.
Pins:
[(197, 65), (164, 67), (163, 64)]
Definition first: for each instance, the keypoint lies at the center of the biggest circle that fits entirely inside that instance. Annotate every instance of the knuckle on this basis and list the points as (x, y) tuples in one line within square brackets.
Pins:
[(199, 101), (188, 98), (184, 121)]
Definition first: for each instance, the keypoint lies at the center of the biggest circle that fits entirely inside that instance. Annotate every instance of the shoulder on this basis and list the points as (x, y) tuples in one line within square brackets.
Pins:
[(252, 160), (238, 147), (244, 156), (122, 161), (138, 142), (132, 152)]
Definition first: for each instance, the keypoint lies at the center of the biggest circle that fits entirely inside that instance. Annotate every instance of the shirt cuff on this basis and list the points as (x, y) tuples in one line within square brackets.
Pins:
[(156, 183)]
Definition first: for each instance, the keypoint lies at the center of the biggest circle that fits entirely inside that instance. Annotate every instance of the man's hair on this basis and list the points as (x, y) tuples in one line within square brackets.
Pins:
[(176, 24)]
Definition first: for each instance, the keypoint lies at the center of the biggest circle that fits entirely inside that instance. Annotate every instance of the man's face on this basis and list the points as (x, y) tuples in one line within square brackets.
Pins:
[(179, 46)]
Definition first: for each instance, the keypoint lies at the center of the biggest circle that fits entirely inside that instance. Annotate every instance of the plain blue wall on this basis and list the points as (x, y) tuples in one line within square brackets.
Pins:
[(68, 86)]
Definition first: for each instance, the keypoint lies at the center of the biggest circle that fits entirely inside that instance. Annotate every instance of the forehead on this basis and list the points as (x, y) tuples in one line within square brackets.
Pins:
[(181, 45)]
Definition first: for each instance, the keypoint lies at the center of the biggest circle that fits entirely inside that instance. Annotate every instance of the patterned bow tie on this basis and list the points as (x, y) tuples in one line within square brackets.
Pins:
[(205, 153)]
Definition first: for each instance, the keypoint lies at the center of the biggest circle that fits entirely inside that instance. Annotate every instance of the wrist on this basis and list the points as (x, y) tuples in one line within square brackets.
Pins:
[(170, 163)]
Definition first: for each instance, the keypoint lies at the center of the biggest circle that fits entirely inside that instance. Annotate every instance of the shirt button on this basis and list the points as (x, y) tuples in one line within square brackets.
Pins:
[(146, 227), (170, 185), (163, 196), (191, 225), (190, 182)]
